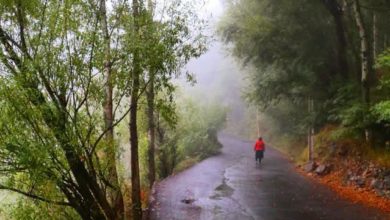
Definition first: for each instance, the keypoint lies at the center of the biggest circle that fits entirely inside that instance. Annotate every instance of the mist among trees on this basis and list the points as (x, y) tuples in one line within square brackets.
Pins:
[(85, 83), (314, 63), (92, 114)]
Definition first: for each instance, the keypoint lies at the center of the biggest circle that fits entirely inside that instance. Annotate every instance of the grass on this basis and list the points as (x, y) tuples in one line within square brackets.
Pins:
[(186, 163), (324, 140), (294, 148), (358, 148), (379, 156)]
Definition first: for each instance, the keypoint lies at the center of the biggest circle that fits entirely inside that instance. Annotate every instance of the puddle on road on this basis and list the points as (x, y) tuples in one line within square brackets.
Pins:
[(223, 190), (188, 201), (217, 210)]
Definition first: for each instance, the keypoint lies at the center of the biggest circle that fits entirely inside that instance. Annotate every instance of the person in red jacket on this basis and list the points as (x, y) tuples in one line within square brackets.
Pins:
[(259, 148)]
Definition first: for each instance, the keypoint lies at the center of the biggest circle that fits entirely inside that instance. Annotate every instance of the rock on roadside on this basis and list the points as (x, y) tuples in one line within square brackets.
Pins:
[(310, 166), (322, 169)]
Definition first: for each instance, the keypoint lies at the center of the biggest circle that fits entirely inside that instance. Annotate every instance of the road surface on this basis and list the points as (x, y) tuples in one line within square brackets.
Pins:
[(231, 187)]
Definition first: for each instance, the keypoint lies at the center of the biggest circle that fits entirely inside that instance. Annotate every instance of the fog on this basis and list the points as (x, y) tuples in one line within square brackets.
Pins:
[(219, 78)]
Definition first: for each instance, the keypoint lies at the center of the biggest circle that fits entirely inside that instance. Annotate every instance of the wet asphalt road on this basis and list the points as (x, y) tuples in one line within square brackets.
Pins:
[(231, 187)]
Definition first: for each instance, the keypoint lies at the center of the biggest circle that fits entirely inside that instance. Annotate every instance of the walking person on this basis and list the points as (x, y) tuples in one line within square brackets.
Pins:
[(259, 149)]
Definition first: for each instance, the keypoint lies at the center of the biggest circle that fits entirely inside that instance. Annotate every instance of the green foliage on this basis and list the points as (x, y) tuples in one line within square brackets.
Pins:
[(30, 210), (383, 60), (347, 108), (381, 111), (383, 71), (295, 51), (194, 136), (288, 65), (287, 118), (199, 126), (52, 89), (168, 155)]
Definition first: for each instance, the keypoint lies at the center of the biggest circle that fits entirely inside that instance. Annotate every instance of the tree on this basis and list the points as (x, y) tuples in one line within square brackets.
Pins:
[(116, 199), (53, 78), (57, 76), (364, 56), (67, 62), (150, 109), (337, 11), (311, 49), (364, 51), (284, 67), (133, 130)]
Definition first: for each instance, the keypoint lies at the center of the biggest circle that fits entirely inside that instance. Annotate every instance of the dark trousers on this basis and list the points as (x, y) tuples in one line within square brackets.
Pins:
[(259, 155)]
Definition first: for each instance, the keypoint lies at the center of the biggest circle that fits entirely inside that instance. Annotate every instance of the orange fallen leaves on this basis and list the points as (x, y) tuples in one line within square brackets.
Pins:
[(145, 197), (355, 194)]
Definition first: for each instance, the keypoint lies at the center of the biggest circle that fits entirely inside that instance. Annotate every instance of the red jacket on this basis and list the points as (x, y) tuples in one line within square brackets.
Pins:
[(259, 145)]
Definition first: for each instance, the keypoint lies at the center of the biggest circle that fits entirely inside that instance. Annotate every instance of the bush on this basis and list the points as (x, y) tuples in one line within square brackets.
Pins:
[(194, 136), (199, 126), (27, 209)]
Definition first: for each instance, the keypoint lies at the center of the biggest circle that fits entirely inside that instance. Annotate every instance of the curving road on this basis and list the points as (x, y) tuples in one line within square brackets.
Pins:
[(231, 187)]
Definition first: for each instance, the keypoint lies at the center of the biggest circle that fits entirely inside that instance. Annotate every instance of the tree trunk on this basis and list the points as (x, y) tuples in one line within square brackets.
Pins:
[(150, 94), (364, 56), (336, 10), (135, 175), (93, 197), (310, 133), (115, 194), (342, 48), (258, 122), (374, 36), (151, 130), (363, 50)]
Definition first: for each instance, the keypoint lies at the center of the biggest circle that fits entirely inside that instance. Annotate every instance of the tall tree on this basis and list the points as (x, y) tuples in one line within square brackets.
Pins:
[(287, 68), (364, 51), (51, 63), (336, 9), (62, 60), (150, 109), (133, 129), (365, 56), (150, 93), (115, 194)]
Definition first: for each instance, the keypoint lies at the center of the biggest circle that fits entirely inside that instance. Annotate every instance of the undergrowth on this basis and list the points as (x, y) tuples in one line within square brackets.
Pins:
[(333, 141)]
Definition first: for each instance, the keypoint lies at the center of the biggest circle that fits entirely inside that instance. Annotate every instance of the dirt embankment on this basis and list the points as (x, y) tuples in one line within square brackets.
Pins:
[(353, 178)]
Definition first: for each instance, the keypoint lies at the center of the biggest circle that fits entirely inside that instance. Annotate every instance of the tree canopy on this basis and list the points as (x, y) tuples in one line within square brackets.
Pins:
[(70, 73), (328, 52)]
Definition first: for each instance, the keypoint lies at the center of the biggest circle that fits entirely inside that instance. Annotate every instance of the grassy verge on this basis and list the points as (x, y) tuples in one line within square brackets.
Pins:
[(186, 163), (292, 147), (333, 143), (329, 144)]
